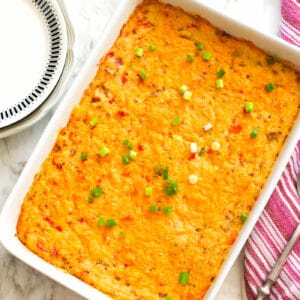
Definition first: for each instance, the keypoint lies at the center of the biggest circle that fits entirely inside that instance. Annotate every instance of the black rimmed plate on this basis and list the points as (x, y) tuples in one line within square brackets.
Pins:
[(32, 56)]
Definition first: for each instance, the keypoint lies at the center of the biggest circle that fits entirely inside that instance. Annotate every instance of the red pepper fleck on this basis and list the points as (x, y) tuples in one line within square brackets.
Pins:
[(235, 129), (162, 284), (209, 151), (140, 147), (54, 252), (49, 221), (126, 174), (111, 54), (127, 218), (145, 24), (241, 92), (121, 114), (112, 101), (126, 265), (81, 220), (192, 156), (124, 78), (58, 228)]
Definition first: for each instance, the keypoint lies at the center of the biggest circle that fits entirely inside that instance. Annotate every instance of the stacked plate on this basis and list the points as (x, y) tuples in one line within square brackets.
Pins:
[(35, 58)]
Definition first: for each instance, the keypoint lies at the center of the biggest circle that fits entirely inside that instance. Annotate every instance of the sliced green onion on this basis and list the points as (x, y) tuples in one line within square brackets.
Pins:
[(152, 208), (167, 210), (152, 48), (189, 58), (219, 83), (143, 75), (170, 188), (97, 192), (187, 95), (139, 52), (269, 87), (206, 55), (125, 159), (175, 121), (200, 46), (132, 155), (101, 221), (165, 173), (183, 89), (104, 151), (184, 278), (168, 298), (249, 107), (244, 217), (220, 73), (128, 144), (84, 156), (111, 223), (94, 122), (254, 133), (148, 191)]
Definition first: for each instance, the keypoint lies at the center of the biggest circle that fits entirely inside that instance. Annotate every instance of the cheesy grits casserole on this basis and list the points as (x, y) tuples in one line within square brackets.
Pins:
[(150, 182)]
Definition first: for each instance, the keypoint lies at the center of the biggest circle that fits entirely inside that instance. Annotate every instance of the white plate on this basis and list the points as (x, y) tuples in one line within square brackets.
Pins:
[(11, 210), (32, 56)]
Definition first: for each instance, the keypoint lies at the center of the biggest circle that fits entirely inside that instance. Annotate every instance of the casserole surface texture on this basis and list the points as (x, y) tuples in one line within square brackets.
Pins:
[(114, 204)]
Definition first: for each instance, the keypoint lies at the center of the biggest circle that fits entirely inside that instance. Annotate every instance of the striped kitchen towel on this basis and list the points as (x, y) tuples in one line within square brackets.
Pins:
[(290, 21), (271, 234)]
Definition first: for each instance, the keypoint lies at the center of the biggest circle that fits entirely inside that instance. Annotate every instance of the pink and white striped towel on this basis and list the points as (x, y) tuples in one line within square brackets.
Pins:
[(270, 235), (282, 213), (290, 21)]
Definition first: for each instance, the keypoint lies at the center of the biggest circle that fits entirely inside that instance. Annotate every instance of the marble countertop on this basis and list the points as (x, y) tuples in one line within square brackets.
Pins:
[(89, 18)]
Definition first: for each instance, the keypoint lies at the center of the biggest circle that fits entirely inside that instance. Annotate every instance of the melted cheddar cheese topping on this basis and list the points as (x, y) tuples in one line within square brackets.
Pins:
[(148, 185)]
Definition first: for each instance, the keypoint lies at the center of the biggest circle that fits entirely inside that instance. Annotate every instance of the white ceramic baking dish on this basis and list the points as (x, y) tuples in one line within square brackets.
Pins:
[(10, 212)]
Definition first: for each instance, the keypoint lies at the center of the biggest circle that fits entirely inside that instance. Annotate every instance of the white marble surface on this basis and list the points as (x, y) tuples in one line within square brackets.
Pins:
[(89, 17)]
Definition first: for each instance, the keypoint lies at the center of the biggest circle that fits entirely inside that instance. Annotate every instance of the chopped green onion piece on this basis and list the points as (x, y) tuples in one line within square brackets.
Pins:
[(175, 121), (125, 159), (220, 73), (170, 188), (83, 156), (183, 89), (200, 45), (139, 52), (152, 208), (132, 154), (167, 210), (244, 217), (111, 223), (143, 75), (219, 83), (184, 278), (128, 144), (187, 95), (177, 137), (158, 169), (104, 151), (97, 192), (249, 107), (189, 58), (152, 48), (148, 191), (166, 173), (206, 55), (93, 122), (101, 221), (168, 298), (254, 133), (269, 87)]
